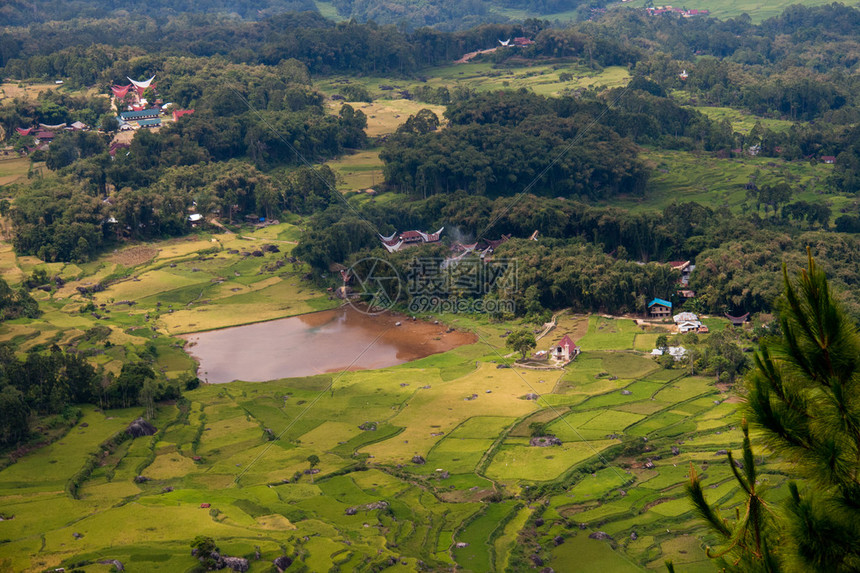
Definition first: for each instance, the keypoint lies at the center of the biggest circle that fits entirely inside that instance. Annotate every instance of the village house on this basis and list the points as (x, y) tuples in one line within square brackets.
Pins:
[(685, 268), (676, 352), (685, 317), (152, 113), (689, 322), (684, 13), (136, 89), (828, 159), (737, 320), (659, 308), (565, 350), (395, 242), (484, 246)]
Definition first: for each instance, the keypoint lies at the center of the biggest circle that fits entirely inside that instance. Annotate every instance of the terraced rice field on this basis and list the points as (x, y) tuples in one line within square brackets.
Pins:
[(443, 441)]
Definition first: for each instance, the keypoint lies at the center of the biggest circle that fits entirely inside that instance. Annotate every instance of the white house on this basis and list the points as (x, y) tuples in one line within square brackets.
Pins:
[(689, 326), (676, 352), (565, 350), (685, 317)]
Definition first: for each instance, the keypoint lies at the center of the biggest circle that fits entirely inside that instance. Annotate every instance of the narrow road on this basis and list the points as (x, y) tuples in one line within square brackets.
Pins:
[(551, 324)]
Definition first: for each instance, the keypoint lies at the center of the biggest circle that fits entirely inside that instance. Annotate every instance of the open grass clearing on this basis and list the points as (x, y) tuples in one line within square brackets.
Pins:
[(358, 170), (13, 169), (543, 79), (384, 116), (12, 90)]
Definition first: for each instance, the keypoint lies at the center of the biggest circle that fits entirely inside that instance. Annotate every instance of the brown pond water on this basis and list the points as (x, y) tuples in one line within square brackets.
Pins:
[(327, 341)]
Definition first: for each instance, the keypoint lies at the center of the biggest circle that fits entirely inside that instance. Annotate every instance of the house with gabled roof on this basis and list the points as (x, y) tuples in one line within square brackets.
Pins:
[(685, 268), (685, 317), (689, 326), (565, 350), (660, 308), (395, 242), (151, 113)]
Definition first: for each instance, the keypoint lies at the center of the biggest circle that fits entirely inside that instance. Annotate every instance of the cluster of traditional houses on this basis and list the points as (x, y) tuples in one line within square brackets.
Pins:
[(686, 321), (519, 42), (683, 12), (397, 241), (139, 112), (44, 133)]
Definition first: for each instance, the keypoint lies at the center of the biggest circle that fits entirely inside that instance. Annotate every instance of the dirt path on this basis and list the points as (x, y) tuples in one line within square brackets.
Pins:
[(220, 226), (551, 324), (466, 57), (546, 330)]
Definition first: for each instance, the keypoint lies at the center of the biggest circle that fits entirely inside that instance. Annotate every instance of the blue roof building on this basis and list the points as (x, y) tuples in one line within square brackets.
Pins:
[(138, 115), (660, 307), (150, 122)]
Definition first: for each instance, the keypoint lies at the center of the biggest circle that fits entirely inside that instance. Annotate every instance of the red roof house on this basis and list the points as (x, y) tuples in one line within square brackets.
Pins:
[(829, 159), (565, 350), (395, 242)]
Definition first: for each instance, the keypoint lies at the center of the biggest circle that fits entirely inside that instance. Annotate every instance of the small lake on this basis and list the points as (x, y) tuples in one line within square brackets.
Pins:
[(316, 343)]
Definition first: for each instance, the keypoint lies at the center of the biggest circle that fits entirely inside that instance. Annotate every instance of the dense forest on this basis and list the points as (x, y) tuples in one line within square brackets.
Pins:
[(445, 14)]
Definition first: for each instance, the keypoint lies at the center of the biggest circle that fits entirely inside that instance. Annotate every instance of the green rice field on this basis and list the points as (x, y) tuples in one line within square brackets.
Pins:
[(450, 455)]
